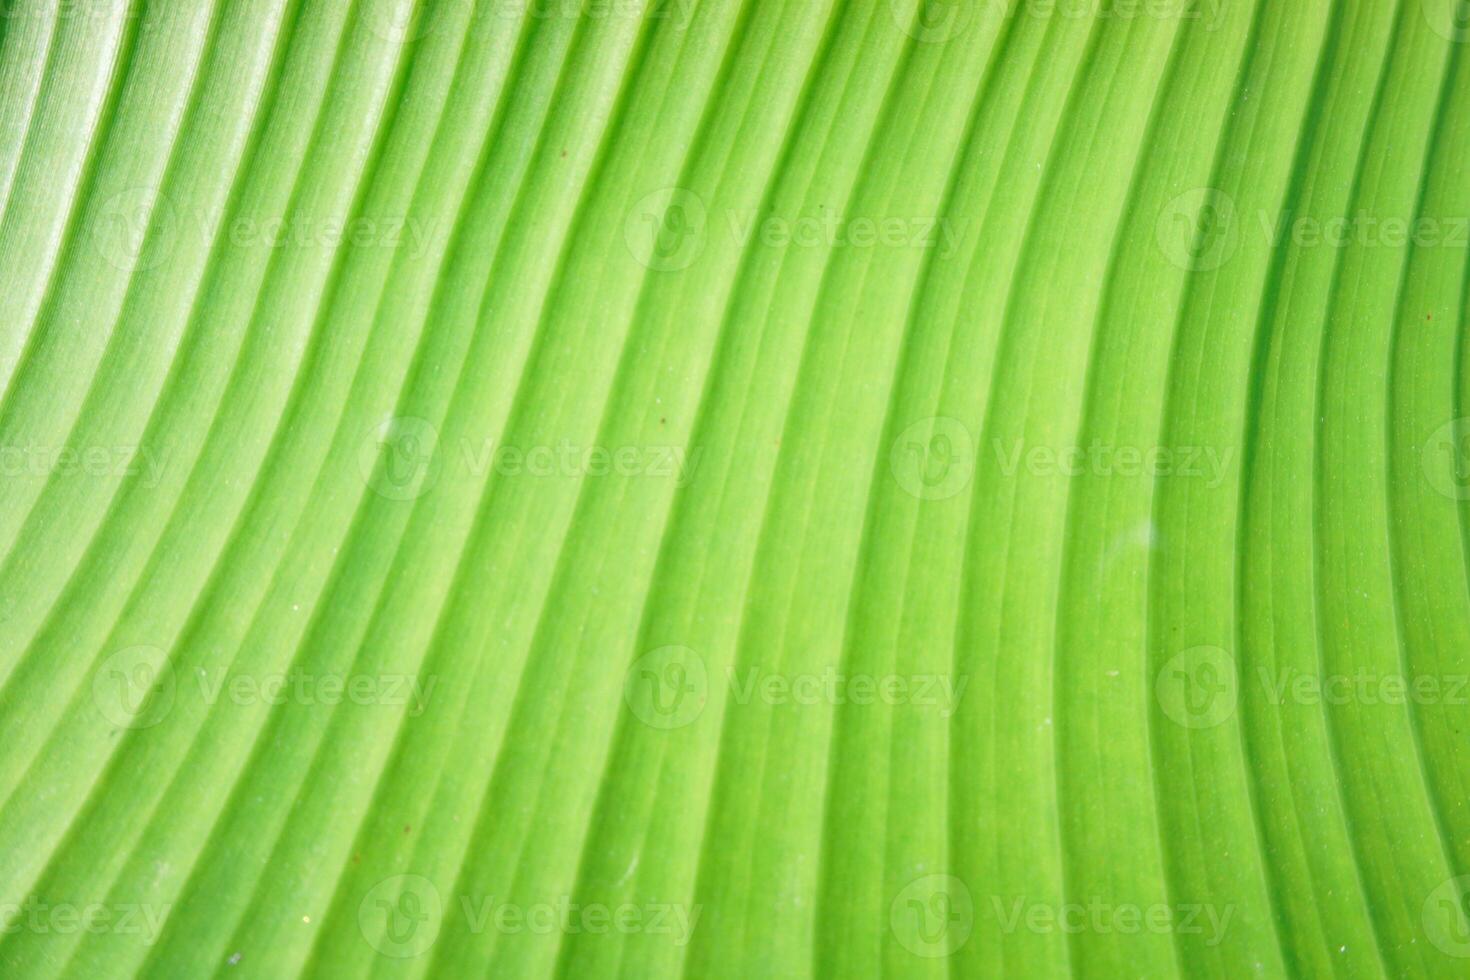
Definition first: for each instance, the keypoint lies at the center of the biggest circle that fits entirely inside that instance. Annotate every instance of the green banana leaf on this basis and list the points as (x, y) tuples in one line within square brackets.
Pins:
[(734, 488)]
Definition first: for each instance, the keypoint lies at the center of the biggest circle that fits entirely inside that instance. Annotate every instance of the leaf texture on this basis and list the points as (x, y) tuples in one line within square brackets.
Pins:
[(734, 488)]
